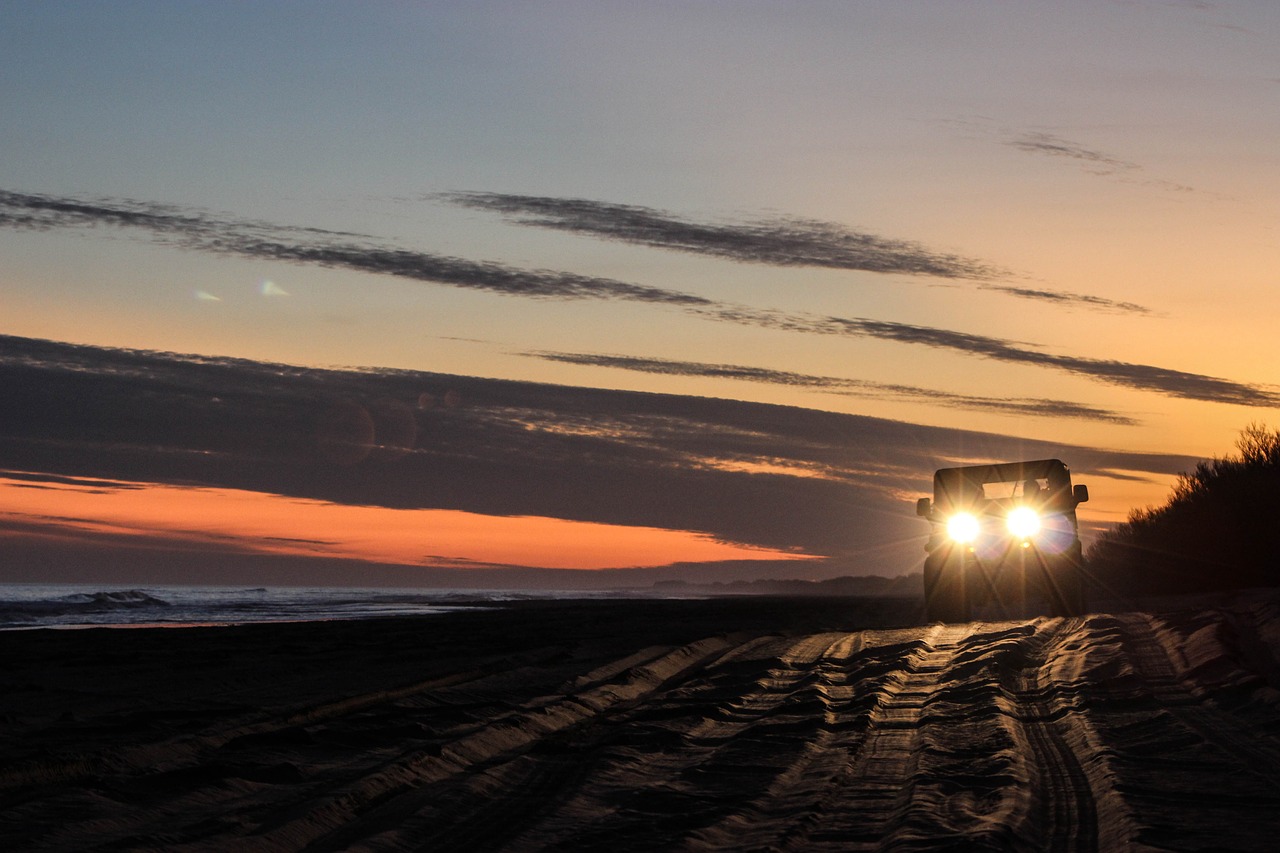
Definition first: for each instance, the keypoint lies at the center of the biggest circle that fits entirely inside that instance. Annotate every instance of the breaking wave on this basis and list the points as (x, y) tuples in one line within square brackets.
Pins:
[(35, 607), (113, 600)]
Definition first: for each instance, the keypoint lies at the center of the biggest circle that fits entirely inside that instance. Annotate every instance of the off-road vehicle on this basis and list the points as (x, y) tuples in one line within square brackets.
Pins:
[(1003, 537)]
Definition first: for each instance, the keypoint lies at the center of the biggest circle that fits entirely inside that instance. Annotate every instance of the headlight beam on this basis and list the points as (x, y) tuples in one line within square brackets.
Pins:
[(1023, 522), (962, 527)]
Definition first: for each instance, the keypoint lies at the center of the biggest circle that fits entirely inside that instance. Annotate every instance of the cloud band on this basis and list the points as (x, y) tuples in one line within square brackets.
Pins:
[(199, 231)]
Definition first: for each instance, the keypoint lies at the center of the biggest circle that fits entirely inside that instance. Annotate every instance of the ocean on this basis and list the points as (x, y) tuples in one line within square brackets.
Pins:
[(25, 606)]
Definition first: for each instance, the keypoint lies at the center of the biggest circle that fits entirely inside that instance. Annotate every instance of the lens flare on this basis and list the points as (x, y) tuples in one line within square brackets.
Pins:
[(962, 527), (1023, 522)]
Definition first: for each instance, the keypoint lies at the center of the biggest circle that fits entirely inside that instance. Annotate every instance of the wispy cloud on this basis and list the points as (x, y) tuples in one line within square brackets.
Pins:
[(193, 229), (1069, 300), (1093, 160), (1036, 407), (1144, 377), (1036, 142), (784, 241), (199, 231), (779, 241), (43, 212), (41, 480)]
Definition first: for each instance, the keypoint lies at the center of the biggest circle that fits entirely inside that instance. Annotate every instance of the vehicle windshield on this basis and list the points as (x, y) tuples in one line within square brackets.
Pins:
[(981, 488), (1012, 490)]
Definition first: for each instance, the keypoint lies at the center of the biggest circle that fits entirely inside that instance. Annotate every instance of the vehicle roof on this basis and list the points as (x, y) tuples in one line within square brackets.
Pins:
[(971, 477)]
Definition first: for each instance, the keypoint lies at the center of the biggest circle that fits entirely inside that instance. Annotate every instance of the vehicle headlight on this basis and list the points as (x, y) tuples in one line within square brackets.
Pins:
[(1024, 522), (962, 527)]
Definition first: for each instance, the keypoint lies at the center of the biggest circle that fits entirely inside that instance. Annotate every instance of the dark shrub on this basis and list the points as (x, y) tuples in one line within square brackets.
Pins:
[(1220, 528)]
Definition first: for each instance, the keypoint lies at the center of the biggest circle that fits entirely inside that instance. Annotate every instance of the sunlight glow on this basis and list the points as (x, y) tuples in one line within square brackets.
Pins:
[(256, 522)]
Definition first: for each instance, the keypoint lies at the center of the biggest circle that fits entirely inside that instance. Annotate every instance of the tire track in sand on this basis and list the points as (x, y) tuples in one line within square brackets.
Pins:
[(828, 667), (861, 806), (995, 758), (310, 822), (1155, 662), (189, 775), (763, 717), (503, 804), (1063, 804)]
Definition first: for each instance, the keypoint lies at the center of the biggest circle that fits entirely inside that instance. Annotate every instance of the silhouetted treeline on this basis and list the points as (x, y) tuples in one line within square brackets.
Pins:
[(1220, 529)]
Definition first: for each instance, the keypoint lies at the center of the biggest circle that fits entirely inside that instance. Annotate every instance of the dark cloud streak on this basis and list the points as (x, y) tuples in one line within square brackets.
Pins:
[(788, 242), (1054, 146), (839, 385), (1095, 162), (1069, 300), (201, 232), (1143, 377), (92, 416), (783, 241), (41, 212), (473, 275)]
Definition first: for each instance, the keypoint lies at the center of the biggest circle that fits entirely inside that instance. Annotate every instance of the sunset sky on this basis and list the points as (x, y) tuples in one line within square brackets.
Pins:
[(1049, 225)]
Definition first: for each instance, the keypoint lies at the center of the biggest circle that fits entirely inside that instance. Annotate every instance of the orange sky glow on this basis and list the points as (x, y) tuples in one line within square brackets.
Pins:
[(273, 524)]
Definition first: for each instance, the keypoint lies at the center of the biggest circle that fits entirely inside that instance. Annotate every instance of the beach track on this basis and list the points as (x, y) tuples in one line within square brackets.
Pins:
[(650, 726)]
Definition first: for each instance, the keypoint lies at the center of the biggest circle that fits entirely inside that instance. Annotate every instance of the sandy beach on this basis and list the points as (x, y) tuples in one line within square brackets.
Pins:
[(738, 724)]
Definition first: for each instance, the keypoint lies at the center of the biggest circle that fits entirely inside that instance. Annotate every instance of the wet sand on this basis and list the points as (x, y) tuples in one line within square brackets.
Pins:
[(738, 724)]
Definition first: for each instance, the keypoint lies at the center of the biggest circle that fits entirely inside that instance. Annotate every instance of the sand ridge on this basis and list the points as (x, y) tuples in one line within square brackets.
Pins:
[(710, 725)]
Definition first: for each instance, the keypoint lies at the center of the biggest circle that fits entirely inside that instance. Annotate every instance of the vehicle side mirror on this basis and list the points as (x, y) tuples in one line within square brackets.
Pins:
[(923, 507), (1081, 493)]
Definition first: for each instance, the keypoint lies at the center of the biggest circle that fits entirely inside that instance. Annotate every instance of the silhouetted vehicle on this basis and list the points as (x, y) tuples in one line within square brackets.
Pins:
[(1003, 534)]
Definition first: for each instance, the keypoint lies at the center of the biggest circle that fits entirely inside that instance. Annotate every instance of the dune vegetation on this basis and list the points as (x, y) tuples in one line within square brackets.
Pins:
[(1218, 529)]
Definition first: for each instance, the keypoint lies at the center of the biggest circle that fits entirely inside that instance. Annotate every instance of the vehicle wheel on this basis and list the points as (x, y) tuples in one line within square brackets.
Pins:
[(945, 599)]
